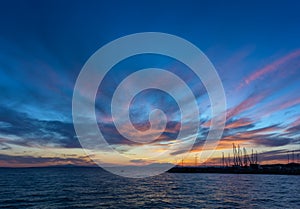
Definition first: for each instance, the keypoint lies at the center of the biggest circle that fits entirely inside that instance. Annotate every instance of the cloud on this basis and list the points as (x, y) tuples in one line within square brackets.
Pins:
[(271, 67), (178, 152), (265, 129), (296, 122), (20, 161), (260, 136), (242, 131), (4, 146), (248, 103), (280, 155), (275, 106), (139, 161), (289, 103), (26, 131), (112, 135), (239, 123), (272, 141), (294, 129), (18, 128)]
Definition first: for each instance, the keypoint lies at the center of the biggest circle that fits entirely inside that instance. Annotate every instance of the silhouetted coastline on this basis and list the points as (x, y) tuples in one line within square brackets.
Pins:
[(288, 169)]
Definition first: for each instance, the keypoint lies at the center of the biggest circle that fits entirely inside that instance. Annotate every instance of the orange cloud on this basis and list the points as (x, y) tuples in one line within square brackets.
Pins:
[(239, 123)]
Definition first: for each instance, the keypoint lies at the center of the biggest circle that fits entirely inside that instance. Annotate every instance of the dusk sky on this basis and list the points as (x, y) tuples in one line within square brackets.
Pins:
[(254, 46)]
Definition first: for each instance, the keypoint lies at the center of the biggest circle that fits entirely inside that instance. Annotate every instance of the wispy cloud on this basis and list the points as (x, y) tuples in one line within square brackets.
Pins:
[(248, 103), (31, 161), (260, 73), (26, 131)]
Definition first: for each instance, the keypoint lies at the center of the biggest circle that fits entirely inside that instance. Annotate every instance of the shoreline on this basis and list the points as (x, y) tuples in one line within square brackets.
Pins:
[(286, 169)]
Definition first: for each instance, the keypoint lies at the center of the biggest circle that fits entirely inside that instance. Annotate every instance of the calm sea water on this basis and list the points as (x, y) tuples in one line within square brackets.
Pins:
[(95, 188)]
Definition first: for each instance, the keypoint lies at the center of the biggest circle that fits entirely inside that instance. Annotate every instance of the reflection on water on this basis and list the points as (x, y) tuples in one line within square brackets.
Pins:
[(94, 188)]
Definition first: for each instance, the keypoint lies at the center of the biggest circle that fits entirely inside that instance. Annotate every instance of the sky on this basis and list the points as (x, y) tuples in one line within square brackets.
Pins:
[(254, 46)]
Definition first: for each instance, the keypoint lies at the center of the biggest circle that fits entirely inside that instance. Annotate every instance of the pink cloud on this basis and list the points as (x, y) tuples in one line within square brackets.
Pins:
[(289, 104), (295, 123), (245, 105), (271, 67), (278, 106)]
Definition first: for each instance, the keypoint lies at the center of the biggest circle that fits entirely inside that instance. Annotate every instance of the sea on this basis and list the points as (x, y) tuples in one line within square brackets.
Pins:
[(77, 187)]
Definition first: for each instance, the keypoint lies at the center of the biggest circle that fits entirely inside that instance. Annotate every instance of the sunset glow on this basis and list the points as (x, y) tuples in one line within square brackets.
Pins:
[(43, 53)]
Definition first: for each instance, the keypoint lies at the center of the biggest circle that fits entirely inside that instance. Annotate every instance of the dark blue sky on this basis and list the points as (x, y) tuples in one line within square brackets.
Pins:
[(254, 46)]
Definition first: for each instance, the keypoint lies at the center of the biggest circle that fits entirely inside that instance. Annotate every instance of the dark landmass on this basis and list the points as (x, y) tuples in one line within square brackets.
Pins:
[(54, 166), (288, 169)]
